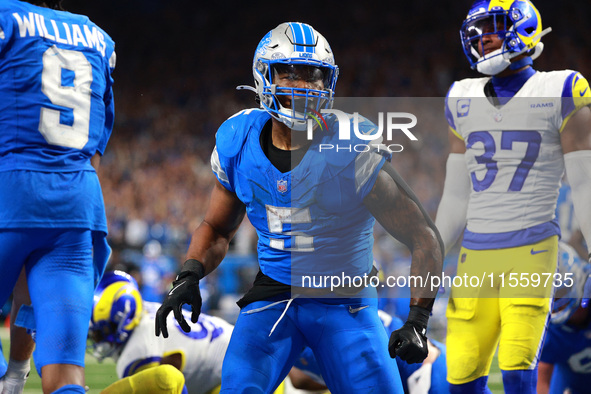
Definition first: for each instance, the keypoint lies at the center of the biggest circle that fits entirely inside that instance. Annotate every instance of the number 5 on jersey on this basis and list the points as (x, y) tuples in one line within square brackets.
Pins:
[(277, 217)]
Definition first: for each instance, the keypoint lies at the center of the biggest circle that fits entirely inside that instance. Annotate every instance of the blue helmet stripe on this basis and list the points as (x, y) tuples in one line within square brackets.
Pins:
[(308, 38), (298, 37)]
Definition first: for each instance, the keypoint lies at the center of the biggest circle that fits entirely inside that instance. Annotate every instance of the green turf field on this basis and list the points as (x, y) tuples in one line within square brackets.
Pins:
[(100, 375)]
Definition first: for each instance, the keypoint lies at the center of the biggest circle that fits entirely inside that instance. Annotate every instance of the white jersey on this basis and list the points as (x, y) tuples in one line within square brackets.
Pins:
[(202, 349), (513, 155)]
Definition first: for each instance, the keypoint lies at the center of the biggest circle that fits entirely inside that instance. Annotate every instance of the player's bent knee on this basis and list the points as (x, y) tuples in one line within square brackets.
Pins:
[(463, 369), (517, 358), (464, 362), (522, 335), (169, 379)]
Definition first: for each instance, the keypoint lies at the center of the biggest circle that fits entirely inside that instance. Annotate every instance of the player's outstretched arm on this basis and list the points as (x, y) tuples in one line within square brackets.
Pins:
[(398, 210), (208, 247)]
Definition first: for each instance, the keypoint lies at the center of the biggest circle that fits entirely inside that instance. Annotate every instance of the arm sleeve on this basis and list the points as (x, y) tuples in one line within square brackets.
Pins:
[(578, 172), (451, 214)]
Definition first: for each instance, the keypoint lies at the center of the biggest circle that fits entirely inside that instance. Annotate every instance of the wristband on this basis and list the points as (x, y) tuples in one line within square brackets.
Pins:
[(192, 266), (419, 316)]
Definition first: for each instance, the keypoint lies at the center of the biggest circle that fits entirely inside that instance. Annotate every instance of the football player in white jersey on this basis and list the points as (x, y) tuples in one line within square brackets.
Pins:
[(512, 135), (122, 327)]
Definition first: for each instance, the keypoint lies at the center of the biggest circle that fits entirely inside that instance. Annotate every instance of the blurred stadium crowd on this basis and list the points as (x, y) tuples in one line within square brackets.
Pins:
[(177, 68)]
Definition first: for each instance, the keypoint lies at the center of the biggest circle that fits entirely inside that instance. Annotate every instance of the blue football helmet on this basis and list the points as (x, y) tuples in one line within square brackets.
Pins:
[(117, 310), (568, 294), (518, 23), (291, 45)]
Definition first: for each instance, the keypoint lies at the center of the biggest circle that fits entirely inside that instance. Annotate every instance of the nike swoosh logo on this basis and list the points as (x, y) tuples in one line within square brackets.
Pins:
[(532, 251), (419, 338), (355, 310), (172, 291), (583, 92)]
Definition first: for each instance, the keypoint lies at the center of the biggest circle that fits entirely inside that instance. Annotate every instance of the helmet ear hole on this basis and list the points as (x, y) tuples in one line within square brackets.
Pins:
[(261, 67)]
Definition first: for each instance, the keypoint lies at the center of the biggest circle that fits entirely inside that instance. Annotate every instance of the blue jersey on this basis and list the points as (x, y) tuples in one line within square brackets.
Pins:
[(307, 362), (310, 221), (56, 113), (569, 349)]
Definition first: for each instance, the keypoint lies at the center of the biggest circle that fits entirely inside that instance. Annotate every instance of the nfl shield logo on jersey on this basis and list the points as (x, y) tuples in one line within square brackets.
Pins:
[(281, 186)]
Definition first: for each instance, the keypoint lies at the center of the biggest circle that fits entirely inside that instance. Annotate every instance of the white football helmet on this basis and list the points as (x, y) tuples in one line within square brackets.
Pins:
[(291, 45)]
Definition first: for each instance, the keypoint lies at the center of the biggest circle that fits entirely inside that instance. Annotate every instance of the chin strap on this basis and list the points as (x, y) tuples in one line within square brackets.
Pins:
[(526, 61), (246, 87)]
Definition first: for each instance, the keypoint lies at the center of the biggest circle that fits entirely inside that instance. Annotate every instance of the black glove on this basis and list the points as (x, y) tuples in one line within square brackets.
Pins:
[(409, 342), (185, 290)]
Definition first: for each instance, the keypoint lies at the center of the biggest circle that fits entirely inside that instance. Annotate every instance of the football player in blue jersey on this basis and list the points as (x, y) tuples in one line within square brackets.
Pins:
[(428, 377), (565, 362), (56, 117), (513, 133), (314, 215)]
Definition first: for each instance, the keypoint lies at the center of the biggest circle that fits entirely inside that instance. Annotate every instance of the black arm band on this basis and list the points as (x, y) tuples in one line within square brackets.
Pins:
[(193, 266)]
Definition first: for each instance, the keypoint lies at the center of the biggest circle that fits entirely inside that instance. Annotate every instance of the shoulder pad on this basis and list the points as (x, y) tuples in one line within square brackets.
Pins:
[(575, 85), (232, 134), (460, 88)]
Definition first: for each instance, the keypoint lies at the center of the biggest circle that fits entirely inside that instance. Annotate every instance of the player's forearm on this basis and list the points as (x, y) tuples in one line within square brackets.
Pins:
[(398, 210), (426, 268), (209, 246)]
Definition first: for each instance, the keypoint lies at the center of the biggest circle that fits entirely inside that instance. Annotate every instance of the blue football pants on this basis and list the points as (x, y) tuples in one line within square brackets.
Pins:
[(60, 276), (346, 335)]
